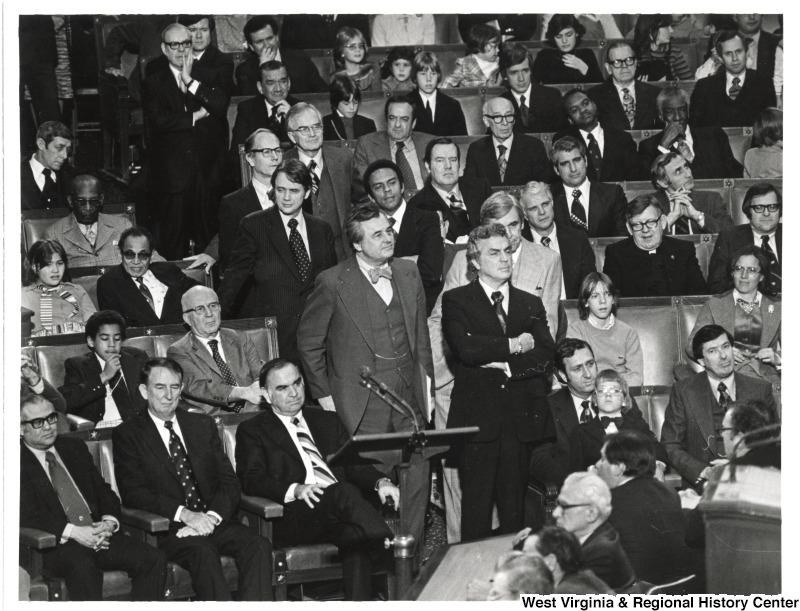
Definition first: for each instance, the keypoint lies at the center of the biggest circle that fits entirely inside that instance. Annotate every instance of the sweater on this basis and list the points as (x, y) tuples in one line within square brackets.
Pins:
[(616, 348)]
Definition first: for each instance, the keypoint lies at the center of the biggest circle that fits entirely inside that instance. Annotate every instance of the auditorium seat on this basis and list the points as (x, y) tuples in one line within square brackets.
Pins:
[(740, 139), (35, 223)]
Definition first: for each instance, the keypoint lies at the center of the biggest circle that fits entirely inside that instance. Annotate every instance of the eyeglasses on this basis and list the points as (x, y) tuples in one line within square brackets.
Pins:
[(201, 310), (565, 506), (746, 271), (38, 423), (651, 224), (618, 63), (94, 202), (132, 256), (355, 46), (183, 44), (309, 130), (501, 118), (276, 152), (759, 208), (609, 392)]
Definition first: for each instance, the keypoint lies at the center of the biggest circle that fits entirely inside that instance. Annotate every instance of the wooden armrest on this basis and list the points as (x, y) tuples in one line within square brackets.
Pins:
[(144, 520), (223, 405), (36, 539), (76, 423), (261, 506)]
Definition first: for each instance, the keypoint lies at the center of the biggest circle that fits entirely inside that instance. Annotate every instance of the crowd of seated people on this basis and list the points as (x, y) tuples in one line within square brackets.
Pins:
[(445, 263)]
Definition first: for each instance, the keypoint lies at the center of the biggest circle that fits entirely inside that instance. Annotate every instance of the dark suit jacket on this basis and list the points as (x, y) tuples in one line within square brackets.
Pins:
[(333, 127), (372, 147), (577, 256), (146, 475), (314, 32), (620, 159), (713, 157), (709, 203), (38, 501), (550, 461), (729, 241), (31, 195), (301, 70), (546, 111), (527, 160), (419, 235), (767, 45), (116, 290), (711, 105), (630, 269), (85, 393), (604, 556), (689, 423), (606, 208), (609, 106), (448, 121), (262, 251), (251, 115), (485, 397), (474, 192)]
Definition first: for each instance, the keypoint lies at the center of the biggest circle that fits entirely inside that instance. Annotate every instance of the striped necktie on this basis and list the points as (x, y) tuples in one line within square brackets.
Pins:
[(322, 473)]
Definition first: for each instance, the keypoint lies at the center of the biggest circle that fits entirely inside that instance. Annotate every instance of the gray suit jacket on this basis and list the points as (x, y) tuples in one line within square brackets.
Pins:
[(709, 203), (202, 377), (372, 147), (537, 271)]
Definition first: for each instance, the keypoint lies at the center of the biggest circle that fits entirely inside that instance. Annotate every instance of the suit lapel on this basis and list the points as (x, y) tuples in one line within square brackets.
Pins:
[(105, 231), (352, 291), (565, 411), (486, 309), (204, 355), (153, 441), (407, 296), (597, 207), (704, 409), (232, 355), (332, 171), (316, 243), (529, 265), (276, 429), (771, 322), (32, 468), (490, 161), (278, 237)]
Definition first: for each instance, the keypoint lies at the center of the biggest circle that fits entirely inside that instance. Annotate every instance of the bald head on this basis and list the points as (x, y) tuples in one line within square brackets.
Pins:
[(201, 311)]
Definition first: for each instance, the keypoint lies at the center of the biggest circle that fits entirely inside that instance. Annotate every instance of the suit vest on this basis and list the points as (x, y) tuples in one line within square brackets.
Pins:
[(391, 345)]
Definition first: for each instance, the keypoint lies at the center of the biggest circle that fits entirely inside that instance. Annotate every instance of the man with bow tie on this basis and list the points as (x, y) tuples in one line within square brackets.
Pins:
[(370, 311)]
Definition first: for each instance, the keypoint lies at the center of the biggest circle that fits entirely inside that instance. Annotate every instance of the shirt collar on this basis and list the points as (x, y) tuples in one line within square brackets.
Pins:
[(425, 96), (729, 79), (301, 220), (199, 55), (38, 168), (756, 300), (507, 142), (444, 194), (526, 93), (365, 267), (537, 238), (176, 74), (631, 88), (160, 423), (398, 216), (305, 159), (596, 132), (730, 384), (503, 288)]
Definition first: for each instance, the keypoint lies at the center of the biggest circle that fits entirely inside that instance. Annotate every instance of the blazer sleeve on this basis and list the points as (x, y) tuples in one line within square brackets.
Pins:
[(459, 127), (56, 398), (695, 282), (107, 295), (312, 335), (697, 102), (717, 217), (719, 280), (430, 261), (423, 337), (613, 267), (470, 348), (673, 437), (539, 360), (240, 264), (361, 159), (440, 351), (78, 389), (160, 119), (472, 166)]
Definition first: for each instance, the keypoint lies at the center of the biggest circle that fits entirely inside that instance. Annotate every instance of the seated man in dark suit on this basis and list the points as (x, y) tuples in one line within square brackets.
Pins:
[(437, 113), (593, 207), (416, 230), (584, 508), (146, 293), (102, 386), (762, 205), (42, 182), (505, 157), (536, 108), (649, 264), (280, 456), (622, 101), (612, 152), (707, 149), (733, 96), (686, 211), (263, 41), (458, 199), (201, 502), (63, 493), (577, 256)]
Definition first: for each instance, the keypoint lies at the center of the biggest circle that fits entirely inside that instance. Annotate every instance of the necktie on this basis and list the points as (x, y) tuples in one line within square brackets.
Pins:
[(227, 376), (595, 158), (185, 474), (376, 273), (146, 293), (735, 88), (747, 306), (405, 169), (587, 413), (724, 397), (91, 235), (312, 167), (577, 212), (629, 106), (49, 191), (546, 242), (322, 473), (72, 501), (299, 251), (502, 162), (524, 111), (684, 150), (768, 249), (605, 421), (497, 299), (428, 112), (459, 213)]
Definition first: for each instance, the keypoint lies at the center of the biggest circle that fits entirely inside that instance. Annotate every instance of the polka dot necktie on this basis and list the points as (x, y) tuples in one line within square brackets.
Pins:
[(299, 251), (578, 212), (181, 461)]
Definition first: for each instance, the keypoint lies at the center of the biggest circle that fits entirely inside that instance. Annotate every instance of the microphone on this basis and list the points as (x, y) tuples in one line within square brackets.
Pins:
[(369, 380)]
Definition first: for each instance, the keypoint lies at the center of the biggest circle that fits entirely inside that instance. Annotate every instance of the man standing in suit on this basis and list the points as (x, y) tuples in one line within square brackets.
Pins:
[(761, 45), (41, 180), (536, 108), (762, 205), (171, 462), (572, 245), (220, 366), (102, 386), (622, 101), (280, 456), (612, 152), (332, 172), (63, 493), (282, 249), (733, 96), (263, 41), (593, 207), (145, 292), (399, 143), (505, 157), (503, 353), (686, 211), (458, 199), (647, 263), (693, 431), (707, 149), (370, 311)]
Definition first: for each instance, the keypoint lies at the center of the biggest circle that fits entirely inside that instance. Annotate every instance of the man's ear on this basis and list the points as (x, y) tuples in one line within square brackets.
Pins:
[(260, 88), (143, 391), (40, 144), (560, 376), (628, 227)]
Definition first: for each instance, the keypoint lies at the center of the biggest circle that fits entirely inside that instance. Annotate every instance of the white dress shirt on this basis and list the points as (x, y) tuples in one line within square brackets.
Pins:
[(527, 95), (576, 402), (631, 90), (383, 286), (305, 160), (584, 188), (205, 340), (37, 169), (292, 430), (507, 143), (504, 304), (111, 417), (730, 386), (445, 195), (553, 235), (430, 100), (262, 191), (301, 228), (773, 242), (598, 134), (729, 80), (158, 290)]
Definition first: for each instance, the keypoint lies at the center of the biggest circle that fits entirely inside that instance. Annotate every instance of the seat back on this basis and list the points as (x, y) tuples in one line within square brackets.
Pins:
[(739, 139), (323, 61), (227, 425), (233, 108), (471, 101), (36, 223)]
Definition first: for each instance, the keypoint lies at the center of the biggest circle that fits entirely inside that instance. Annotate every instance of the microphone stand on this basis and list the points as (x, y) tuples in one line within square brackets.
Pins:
[(417, 441)]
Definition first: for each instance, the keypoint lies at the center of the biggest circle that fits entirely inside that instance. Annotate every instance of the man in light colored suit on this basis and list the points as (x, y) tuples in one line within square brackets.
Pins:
[(536, 270), (399, 137), (220, 366)]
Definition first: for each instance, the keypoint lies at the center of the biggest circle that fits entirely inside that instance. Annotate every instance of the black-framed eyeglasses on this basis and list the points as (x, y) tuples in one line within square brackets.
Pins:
[(309, 130), (183, 44), (132, 256), (38, 423), (202, 309), (498, 119), (639, 226), (95, 202), (748, 271), (565, 506), (276, 152), (627, 61), (761, 207)]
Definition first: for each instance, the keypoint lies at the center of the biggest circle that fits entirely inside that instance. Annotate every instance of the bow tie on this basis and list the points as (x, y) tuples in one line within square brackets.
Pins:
[(376, 273), (605, 421), (747, 306)]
